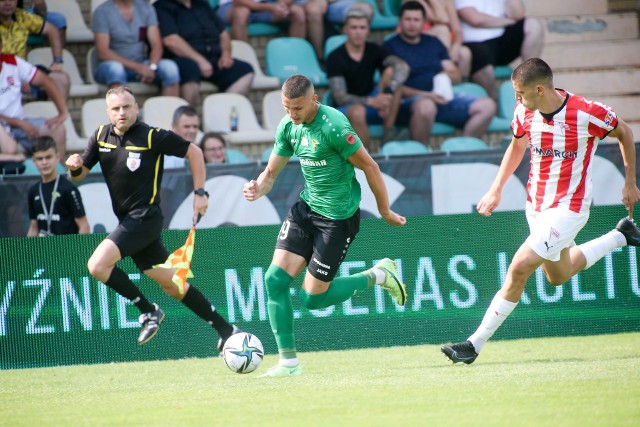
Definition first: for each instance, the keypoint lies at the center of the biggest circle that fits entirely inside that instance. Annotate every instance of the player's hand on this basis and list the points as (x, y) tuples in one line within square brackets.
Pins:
[(251, 190), (74, 162), (200, 205), (488, 202), (630, 196), (393, 218)]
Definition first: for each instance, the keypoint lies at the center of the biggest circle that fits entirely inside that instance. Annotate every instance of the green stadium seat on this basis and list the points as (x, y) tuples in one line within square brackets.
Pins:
[(502, 72), (286, 56), (332, 43), (463, 143), (380, 21), (404, 148), (235, 157), (498, 123), (506, 100)]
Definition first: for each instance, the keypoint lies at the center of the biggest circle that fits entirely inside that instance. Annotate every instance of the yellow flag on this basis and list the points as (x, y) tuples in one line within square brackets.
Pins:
[(180, 259)]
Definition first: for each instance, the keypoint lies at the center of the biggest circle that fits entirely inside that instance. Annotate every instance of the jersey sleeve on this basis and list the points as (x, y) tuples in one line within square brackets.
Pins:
[(168, 142), (517, 126), (90, 154), (26, 71), (282, 143), (345, 140), (602, 120)]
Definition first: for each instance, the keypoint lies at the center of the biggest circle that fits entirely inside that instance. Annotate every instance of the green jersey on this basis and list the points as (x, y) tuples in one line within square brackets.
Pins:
[(323, 146)]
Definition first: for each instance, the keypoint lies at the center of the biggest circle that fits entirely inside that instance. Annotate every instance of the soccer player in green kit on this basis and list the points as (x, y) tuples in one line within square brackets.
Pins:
[(321, 226)]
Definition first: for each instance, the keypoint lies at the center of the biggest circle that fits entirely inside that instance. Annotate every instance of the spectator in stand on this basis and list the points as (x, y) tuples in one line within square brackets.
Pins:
[(122, 31), (443, 22), (186, 124), (351, 69), (14, 71), (214, 148), (58, 20), (497, 32), (17, 24), (55, 204), (429, 62), (196, 38), (334, 12), (240, 13)]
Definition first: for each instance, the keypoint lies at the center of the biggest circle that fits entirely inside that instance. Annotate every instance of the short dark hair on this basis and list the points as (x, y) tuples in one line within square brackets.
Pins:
[(183, 110), (297, 86), (413, 5), (212, 135), (43, 143), (532, 71)]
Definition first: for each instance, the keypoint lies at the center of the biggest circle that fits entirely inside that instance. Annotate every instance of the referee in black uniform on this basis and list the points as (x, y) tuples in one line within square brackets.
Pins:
[(131, 155)]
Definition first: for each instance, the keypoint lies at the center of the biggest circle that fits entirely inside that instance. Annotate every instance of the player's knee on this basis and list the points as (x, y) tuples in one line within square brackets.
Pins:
[(98, 270), (276, 280)]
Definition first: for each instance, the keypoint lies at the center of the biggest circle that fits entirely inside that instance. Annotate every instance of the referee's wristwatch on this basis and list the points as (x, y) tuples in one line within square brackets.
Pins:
[(201, 192)]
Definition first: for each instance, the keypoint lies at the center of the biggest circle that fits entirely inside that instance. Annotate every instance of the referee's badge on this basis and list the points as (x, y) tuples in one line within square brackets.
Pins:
[(133, 161)]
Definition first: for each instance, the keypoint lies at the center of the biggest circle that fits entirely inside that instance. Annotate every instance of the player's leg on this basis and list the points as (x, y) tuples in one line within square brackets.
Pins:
[(294, 247), (193, 299)]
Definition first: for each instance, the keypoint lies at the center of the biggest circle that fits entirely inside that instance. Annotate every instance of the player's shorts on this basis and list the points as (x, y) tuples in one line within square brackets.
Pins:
[(553, 230), (323, 242), (138, 236)]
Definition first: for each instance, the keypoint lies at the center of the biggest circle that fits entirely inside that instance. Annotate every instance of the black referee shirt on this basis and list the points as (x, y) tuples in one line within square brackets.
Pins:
[(132, 164)]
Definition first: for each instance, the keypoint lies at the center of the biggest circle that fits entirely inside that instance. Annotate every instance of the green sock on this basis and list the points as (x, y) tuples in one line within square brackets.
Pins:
[(340, 289), (277, 283)]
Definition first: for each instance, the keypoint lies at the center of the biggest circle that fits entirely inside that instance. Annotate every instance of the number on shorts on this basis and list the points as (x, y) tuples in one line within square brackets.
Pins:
[(284, 230)]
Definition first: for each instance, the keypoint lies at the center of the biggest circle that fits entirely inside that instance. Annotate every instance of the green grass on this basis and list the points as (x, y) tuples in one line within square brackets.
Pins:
[(575, 381)]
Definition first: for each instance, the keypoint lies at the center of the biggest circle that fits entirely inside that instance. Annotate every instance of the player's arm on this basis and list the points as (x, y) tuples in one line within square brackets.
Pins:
[(198, 172), (83, 225), (510, 161), (257, 188), (77, 170), (33, 228), (363, 161), (630, 191)]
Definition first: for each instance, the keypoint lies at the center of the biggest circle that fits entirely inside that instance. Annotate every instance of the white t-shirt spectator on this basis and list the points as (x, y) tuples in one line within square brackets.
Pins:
[(490, 7)]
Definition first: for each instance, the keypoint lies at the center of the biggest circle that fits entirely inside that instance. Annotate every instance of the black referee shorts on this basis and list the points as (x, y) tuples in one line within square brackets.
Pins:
[(138, 236), (323, 242)]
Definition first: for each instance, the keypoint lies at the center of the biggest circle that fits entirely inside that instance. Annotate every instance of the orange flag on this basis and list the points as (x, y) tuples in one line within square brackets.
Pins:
[(180, 259)]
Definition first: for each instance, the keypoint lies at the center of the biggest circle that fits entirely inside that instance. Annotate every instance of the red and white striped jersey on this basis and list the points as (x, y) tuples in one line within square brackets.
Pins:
[(562, 150)]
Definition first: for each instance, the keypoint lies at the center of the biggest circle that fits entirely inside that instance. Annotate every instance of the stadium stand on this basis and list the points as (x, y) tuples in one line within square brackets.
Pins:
[(404, 148), (463, 143), (158, 111), (281, 63)]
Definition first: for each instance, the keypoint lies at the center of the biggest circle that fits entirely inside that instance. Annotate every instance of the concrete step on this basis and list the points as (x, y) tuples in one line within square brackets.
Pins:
[(623, 5), (568, 29), (593, 54), (565, 7), (626, 106), (597, 83)]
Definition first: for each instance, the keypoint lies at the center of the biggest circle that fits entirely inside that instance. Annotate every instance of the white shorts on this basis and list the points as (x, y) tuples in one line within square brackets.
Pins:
[(553, 230)]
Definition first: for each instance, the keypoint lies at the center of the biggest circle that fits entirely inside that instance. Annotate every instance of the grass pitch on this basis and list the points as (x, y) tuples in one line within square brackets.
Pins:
[(574, 381)]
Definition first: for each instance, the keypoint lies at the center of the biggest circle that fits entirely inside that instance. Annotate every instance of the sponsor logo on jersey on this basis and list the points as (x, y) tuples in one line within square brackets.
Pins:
[(133, 161), (350, 138), (307, 162), (305, 142), (555, 153), (611, 116), (314, 143)]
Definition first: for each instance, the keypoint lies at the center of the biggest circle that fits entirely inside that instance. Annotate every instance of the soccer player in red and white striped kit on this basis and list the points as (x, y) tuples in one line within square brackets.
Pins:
[(562, 131)]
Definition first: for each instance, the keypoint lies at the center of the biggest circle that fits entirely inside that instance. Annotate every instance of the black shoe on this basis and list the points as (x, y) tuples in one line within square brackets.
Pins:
[(630, 231), (150, 323), (462, 352), (221, 341)]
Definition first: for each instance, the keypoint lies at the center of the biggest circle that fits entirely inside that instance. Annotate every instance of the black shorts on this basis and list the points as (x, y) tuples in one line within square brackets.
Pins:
[(321, 241), (190, 72), (138, 236), (499, 51)]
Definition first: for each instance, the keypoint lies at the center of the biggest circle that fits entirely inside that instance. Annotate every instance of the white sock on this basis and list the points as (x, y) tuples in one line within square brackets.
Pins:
[(381, 276), (498, 310), (289, 363), (595, 249)]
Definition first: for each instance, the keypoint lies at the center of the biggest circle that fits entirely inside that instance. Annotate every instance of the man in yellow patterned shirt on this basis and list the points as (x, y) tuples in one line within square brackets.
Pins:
[(15, 26)]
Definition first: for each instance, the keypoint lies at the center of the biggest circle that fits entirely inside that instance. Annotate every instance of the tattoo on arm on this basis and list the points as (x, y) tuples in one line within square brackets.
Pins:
[(338, 86)]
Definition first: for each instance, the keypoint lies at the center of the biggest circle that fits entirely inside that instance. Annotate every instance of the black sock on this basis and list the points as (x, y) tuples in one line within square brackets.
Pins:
[(120, 282), (197, 303)]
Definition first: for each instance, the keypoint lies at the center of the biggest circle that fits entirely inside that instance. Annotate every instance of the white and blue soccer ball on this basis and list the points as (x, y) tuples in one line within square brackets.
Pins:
[(243, 352)]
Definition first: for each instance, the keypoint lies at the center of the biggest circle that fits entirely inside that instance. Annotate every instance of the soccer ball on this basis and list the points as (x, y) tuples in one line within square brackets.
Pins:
[(243, 352)]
